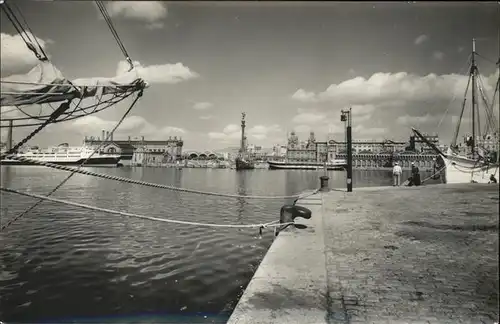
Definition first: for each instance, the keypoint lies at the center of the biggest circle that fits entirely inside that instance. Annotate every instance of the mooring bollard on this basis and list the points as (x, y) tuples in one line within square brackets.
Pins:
[(323, 183), (288, 214)]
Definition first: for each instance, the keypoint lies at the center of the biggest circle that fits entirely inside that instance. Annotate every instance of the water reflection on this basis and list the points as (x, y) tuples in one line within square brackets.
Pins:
[(241, 187), (121, 266), (7, 173)]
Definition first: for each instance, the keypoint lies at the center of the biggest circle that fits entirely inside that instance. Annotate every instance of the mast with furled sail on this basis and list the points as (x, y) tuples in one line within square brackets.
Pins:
[(57, 98), (477, 162)]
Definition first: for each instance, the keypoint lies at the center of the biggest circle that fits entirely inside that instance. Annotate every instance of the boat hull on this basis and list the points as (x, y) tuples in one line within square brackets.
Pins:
[(462, 170), (92, 162), (244, 165), (305, 166)]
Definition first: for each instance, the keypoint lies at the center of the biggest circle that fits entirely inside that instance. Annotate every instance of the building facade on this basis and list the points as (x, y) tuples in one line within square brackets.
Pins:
[(366, 153), (139, 151), (309, 150)]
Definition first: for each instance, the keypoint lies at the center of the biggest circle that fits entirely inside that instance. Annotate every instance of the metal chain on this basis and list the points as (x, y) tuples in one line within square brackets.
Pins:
[(139, 95), (165, 220), (62, 108), (144, 183)]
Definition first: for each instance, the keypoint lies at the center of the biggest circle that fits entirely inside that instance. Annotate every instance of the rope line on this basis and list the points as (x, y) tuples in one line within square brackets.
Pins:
[(164, 220), (107, 18), (52, 84), (435, 173), (22, 32), (143, 183), (45, 56), (59, 111), (455, 94), (78, 168)]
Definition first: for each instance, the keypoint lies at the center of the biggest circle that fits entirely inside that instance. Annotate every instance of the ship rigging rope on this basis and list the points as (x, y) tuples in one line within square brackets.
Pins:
[(147, 184), (46, 57), (489, 112), (107, 18), (139, 95), (58, 112), (164, 220), (466, 64), (22, 32)]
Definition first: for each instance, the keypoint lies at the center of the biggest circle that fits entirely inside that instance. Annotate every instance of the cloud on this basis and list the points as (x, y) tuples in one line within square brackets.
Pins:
[(315, 117), (207, 117), (202, 105), (438, 55), (15, 55), (304, 96), (391, 102), (131, 126), (421, 39), (391, 89), (408, 120), (371, 132), (308, 118), (159, 73), (460, 49), (232, 133), (302, 128), (151, 12)]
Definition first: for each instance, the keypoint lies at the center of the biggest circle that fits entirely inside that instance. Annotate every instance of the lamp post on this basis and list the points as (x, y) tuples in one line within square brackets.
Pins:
[(346, 117)]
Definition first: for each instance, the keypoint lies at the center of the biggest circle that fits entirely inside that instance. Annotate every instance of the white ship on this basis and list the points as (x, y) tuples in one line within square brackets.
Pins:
[(331, 165), (63, 154), (478, 161)]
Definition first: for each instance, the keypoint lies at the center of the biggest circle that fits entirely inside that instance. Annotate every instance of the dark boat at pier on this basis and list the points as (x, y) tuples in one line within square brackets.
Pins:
[(242, 164), (243, 161), (282, 165)]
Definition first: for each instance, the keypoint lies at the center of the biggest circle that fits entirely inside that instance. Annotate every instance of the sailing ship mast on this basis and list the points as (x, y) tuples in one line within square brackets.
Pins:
[(473, 70)]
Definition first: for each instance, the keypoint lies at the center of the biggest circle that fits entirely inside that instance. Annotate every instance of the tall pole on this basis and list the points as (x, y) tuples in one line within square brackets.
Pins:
[(347, 118), (473, 75), (349, 151), (242, 144), (9, 135), (498, 91)]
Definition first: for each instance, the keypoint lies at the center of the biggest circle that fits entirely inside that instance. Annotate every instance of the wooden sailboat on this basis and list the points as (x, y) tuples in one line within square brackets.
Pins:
[(478, 160), (243, 161)]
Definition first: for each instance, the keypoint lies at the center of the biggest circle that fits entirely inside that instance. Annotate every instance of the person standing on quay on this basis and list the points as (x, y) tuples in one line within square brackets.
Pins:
[(415, 174), (396, 174)]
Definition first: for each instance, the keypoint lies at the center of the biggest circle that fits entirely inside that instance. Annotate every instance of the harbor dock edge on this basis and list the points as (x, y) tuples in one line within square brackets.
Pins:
[(425, 254)]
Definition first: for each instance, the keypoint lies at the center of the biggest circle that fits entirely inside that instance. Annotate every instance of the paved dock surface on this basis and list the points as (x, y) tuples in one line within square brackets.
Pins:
[(383, 255)]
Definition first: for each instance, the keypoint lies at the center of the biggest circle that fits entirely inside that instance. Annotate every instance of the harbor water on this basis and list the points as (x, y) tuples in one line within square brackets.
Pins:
[(64, 264)]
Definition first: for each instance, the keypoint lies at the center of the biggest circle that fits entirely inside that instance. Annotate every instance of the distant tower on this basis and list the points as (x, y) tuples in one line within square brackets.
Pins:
[(293, 140), (243, 137), (312, 138)]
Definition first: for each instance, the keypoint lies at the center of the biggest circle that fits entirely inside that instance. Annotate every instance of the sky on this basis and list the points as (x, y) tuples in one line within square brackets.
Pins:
[(291, 66)]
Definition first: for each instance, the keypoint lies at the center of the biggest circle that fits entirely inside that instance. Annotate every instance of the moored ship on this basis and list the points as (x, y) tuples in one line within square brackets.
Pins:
[(243, 161), (63, 154), (332, 165), (479, 160), (242, 164)]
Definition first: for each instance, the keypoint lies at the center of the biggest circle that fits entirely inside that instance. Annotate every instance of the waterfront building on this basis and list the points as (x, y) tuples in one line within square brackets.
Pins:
[(202, 156), (309, 150), (279, 151), (259, 153), (418, 145), (367, 153), (139, 151)]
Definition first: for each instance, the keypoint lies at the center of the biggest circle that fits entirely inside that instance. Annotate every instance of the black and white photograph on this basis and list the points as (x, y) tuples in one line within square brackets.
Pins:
[(249, 162)]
